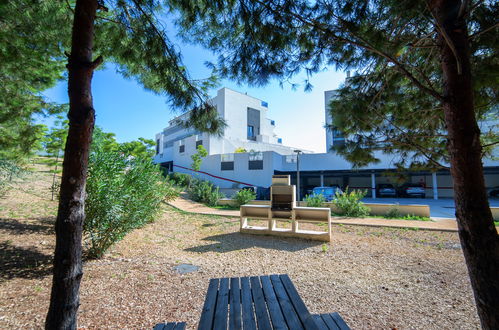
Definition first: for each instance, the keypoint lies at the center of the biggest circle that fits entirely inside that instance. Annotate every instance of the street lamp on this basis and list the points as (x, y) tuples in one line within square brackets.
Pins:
[(298, 152)]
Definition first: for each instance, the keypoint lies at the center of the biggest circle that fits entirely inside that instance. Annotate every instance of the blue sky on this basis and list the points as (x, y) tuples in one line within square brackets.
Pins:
[(126, 109)]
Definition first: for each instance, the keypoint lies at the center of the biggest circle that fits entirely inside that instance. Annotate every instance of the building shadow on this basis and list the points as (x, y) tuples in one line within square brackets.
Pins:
[(236, 241), (43, 226), (23, 262)]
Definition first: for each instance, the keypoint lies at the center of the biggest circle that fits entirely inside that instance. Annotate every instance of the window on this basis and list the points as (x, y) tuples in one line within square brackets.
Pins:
[(181, 149), (227, 166), (255, 165), (272, 122), (227, 163), (279, 140), (251, 133), (255, 161), (199, 143), (157, 146)]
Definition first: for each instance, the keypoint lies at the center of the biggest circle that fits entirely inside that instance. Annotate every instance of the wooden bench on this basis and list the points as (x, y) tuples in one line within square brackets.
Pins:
[(296, 216), (170, 326), (260, 302)]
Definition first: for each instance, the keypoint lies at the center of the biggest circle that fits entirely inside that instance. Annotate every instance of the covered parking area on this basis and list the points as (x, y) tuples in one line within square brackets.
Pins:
[(437, 184)]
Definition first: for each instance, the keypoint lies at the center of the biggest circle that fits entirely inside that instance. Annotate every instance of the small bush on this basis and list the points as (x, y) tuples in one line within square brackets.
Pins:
[(350, 205), (393, 212), (204, 192), (122, 194), (180, 179), (315, 200), (243, 196), (171, 192)]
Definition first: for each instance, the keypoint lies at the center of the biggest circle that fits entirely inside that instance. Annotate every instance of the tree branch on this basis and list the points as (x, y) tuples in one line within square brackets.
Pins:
[(168, 50), (362, 44), (490, 144), (483, 31)]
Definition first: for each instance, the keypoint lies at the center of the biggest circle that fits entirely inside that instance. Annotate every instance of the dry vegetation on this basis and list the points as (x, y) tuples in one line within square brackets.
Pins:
[(376, 278)]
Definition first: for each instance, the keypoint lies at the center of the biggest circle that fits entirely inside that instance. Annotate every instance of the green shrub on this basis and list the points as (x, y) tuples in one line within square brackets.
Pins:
[(243, 196), (350, 205), (122, 194), (180, 179), (315, 200), (205, 192), (171, 192), (393, 212)]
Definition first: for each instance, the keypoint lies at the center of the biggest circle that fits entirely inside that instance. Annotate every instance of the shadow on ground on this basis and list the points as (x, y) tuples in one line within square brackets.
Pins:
[(23, 262), (237, 241), (44, 226)]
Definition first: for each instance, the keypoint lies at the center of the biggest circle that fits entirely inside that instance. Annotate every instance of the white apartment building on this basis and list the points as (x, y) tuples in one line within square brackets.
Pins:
[(249, 127)]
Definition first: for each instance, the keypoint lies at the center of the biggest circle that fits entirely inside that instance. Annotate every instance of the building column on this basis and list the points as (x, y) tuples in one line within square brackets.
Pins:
[(322, 180), (373, 185), (434, 184)]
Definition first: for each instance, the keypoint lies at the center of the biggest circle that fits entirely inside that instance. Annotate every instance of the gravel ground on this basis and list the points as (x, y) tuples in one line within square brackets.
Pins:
[(375, 278)]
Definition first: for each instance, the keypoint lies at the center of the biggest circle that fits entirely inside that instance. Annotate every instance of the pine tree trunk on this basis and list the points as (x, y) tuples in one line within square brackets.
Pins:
[(67, 272), (478, 235)]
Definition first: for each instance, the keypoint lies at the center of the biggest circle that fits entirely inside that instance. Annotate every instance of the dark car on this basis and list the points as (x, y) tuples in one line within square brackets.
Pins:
[(412, 190), (494, 192), (386, 190)]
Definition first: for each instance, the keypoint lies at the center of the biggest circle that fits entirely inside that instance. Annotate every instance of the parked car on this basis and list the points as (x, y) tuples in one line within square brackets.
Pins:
[(494, 192), (385, 189), (329, 193), (412, 190)]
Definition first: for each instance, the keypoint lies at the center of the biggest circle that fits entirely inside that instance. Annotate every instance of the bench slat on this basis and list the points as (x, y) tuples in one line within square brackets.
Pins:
[(287, 307), (206, 321), (170, 326), (159, 326), (180, 326), (320, 323), (339, 321), (331, 324), (247, 305), (273, 305), (260, 307), (222, 307), (235, 304), (298, 303)]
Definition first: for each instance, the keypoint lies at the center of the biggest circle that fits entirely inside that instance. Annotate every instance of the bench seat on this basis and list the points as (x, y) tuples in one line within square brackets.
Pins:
[(170, 326)]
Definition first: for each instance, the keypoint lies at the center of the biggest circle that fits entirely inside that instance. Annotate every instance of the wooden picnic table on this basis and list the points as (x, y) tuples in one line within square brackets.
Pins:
[(260, 302)]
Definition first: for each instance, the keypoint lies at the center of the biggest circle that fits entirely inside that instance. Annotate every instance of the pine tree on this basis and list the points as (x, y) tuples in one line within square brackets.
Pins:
[(128, 33), (32, 57), (429, 67), (142, 148)]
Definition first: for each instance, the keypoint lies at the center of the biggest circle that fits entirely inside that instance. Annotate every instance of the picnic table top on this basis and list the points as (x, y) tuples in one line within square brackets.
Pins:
[(259, 302)]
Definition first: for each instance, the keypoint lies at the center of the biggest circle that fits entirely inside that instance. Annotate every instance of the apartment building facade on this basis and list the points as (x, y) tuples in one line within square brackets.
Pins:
[(250, 128)]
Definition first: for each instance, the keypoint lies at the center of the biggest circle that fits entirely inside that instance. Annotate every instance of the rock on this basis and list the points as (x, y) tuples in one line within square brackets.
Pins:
[(186, 268)]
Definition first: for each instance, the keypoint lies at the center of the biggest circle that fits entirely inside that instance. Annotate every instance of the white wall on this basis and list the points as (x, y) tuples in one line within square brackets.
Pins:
[(233, 107), (212, 165)]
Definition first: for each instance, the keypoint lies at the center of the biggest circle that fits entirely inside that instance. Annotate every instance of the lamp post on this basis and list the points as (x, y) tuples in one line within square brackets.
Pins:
[(298, 152)]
